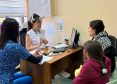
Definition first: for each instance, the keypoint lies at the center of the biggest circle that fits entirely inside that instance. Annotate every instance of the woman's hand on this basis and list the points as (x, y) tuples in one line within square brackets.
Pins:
[(38, 53), (43, 41)]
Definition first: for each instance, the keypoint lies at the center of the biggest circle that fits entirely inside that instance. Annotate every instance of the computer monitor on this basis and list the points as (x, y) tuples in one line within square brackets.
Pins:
[(74, 38)]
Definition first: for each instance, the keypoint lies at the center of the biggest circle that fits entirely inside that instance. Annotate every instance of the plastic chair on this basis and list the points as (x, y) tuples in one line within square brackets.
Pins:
[(21, 78)]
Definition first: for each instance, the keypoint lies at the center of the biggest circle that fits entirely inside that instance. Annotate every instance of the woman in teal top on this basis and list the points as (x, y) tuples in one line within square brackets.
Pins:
[(11, 52)]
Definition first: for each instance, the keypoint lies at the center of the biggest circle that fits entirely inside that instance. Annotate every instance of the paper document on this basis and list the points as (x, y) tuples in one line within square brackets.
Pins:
[(45, 59), (60, 46)]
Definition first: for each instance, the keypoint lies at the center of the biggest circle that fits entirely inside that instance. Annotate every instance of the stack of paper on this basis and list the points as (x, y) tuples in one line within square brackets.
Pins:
[(45, 59), (60, 46)]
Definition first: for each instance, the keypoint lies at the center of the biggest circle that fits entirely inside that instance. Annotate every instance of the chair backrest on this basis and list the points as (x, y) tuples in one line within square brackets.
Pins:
[(22, 36)]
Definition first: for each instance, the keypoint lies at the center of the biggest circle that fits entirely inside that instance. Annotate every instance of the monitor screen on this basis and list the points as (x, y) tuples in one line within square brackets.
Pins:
[(74, 37)]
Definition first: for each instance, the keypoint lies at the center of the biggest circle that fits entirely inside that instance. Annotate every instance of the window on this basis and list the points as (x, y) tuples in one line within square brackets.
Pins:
[(13, 8)]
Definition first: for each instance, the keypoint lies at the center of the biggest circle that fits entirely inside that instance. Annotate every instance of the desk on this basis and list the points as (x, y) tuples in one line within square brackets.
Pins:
[(42, 74)]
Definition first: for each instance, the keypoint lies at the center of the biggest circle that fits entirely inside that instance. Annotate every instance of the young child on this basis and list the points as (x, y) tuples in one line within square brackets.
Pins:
[(96, 69)]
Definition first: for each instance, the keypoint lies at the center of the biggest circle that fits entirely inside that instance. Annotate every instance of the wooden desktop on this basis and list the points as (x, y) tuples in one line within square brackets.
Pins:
[(43, 74)]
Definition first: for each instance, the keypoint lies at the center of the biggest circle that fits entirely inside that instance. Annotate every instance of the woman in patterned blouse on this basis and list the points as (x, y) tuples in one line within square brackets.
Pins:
[(11, 52)]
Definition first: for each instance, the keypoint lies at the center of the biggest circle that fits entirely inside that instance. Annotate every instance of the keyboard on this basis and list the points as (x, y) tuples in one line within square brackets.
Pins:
[(57, 50)]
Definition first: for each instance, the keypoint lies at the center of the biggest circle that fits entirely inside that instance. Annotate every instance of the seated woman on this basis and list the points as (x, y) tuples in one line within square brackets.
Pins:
[(97, 68), (35, 37), (11, 52), (97, 31)]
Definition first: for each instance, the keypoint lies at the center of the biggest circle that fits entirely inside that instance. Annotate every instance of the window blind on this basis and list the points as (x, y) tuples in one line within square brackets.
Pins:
[(13, 8)]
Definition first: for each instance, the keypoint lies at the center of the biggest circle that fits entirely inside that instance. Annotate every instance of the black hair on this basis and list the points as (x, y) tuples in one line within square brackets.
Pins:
[(9, 31), (97, 25), (33, 19), (95, 51)]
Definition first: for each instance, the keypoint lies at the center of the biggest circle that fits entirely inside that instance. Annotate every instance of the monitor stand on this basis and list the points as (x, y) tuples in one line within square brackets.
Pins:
[(74, 46)]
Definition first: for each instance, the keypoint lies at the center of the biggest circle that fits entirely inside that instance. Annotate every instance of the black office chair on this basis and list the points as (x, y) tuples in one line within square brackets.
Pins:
[(23, 36)]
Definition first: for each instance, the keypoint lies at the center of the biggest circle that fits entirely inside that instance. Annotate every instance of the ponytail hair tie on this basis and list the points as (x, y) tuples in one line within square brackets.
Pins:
[(35, 18), (104, 71)]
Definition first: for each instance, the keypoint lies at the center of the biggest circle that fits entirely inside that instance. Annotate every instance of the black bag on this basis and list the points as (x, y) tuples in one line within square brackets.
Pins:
[(113, 44), (111, 51)]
